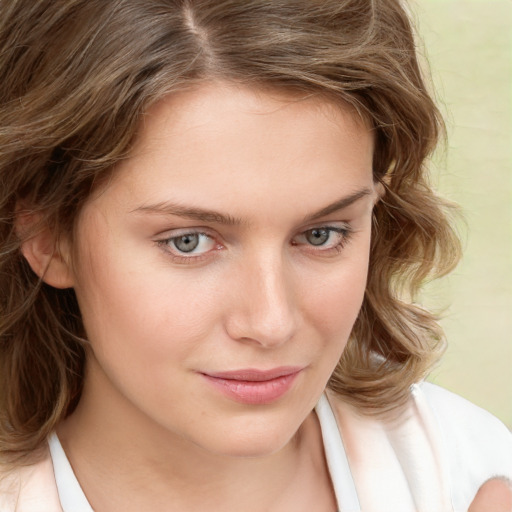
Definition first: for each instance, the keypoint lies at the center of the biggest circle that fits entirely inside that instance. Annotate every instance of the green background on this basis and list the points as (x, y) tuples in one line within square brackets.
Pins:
[(469, 46)]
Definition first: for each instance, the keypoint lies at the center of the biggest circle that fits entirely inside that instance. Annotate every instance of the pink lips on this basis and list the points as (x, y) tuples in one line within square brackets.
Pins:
[(254, 386)]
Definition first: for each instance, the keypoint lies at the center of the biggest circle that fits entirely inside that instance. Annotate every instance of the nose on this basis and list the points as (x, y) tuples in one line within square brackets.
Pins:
[(263, 310)]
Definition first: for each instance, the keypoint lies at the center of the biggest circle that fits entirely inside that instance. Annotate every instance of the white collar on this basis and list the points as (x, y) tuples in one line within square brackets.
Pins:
[(72, 498), (399, 469)]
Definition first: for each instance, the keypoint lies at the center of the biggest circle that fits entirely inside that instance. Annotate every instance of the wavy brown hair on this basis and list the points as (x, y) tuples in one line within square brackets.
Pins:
[(76, 77)]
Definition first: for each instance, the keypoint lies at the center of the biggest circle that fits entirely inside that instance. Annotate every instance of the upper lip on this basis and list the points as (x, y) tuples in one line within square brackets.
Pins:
[(255, 375)]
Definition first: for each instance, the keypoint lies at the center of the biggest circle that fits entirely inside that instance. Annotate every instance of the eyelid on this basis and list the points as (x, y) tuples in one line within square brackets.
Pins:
[(334, 224), (163, 241), (344, 229), (175, 232), (339, 227)]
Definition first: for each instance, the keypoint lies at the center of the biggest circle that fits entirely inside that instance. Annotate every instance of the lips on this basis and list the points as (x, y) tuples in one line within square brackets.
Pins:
[(252, 386)]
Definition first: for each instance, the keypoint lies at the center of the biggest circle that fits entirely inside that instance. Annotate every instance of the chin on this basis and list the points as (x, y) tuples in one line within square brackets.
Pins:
[(252, 441), (251, 448)]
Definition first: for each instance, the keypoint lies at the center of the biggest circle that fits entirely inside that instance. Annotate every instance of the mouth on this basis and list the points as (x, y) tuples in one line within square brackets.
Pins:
[(252, 386)]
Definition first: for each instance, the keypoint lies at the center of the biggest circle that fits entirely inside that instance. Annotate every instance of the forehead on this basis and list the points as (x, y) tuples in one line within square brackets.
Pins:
[(234, 110), (219, 142)]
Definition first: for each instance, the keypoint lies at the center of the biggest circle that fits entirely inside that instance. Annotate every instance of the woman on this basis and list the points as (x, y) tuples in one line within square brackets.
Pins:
[(215, 218)]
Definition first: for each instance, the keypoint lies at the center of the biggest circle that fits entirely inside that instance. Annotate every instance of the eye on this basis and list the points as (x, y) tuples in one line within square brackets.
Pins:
[(324, 238), (187, 243), (317, 236), (193, 244)]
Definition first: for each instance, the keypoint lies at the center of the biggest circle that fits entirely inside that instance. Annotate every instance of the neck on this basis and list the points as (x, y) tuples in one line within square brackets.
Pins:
[(125, 461)]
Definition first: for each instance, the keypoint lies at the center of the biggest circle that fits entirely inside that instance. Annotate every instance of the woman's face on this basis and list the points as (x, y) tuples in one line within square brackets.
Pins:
[(220, 273)]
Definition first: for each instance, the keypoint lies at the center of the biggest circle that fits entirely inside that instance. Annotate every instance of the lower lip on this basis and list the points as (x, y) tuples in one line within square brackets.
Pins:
[(253, 392)]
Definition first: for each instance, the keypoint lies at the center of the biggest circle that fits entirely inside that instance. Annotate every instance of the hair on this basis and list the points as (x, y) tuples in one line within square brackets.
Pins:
[(77, 75)]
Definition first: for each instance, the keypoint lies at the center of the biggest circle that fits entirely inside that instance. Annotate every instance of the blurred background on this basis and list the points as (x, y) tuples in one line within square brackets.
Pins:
[(469, 46)]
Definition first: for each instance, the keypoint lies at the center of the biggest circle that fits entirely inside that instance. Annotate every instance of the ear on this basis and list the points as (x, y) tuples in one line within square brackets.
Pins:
[(47, 255), (380, 190)]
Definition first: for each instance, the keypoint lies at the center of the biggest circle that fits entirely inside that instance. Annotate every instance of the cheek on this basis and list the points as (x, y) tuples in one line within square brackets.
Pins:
[(146, 310), (333, 311), (334, 298)]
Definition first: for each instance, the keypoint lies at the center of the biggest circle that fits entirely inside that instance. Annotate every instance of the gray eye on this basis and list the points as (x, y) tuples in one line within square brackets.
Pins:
[(317, 236), (186, 243)]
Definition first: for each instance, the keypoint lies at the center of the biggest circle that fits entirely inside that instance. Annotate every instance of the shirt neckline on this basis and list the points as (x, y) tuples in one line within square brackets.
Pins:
[(72, 497)]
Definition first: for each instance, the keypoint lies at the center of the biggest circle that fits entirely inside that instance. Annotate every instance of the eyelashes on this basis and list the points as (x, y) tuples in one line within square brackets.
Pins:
[(324, 237), (189, 247), (189, 242), (194, 245)]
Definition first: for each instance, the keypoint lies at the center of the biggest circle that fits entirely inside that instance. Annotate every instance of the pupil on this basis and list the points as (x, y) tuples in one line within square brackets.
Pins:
[(186, 243), (317, 236)]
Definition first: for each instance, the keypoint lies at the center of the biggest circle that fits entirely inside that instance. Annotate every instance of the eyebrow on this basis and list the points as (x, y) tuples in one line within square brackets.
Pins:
[(342, 203), (204, 215), (178, 210)]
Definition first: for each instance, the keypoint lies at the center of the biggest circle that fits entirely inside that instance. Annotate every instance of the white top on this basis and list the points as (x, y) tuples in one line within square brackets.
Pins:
[(433, 459)]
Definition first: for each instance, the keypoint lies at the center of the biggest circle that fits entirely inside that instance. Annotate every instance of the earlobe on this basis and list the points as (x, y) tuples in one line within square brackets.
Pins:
[(47, 256)]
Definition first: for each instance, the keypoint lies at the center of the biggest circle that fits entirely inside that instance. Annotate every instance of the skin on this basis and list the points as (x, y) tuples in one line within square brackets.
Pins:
[(150, 430), (495, 495)]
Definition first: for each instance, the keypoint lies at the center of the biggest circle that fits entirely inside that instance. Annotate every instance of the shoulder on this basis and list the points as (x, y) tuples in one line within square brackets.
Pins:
[(29, 488), (475, 444), (442, 443), (471, 435), (456, 407)]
